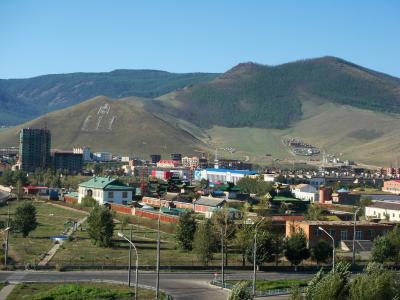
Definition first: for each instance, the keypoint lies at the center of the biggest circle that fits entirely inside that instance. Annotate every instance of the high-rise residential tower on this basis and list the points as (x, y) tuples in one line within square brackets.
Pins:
[(34, 149)]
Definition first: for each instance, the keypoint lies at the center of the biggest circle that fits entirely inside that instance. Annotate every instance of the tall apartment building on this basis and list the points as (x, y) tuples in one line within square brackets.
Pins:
[(67, 162), (34, 149)]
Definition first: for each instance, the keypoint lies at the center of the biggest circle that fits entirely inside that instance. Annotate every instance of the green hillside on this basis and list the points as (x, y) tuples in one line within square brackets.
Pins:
[(252, 95), (24, 99), (119, 126)]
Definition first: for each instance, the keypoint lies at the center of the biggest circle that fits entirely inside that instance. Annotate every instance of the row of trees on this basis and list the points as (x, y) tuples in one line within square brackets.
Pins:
[(207, 237)]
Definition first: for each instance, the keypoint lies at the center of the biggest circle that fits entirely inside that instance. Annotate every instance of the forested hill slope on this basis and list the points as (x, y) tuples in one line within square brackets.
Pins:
[(253, 95), (25, 99)]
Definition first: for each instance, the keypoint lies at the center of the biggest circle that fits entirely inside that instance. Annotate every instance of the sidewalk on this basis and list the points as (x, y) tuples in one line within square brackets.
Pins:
[(5, 291), (50, 254)]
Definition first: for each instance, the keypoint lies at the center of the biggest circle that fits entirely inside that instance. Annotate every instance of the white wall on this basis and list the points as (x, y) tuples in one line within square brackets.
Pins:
[(380, 213)]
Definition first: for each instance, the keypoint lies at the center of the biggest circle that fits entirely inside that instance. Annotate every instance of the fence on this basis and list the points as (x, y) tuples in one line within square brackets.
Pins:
[(266, 293)]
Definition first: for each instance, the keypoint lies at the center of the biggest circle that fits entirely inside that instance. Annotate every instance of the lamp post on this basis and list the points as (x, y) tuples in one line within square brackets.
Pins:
[(353, 261), (158, 255), (120, 234), (333, 247), (6, 231), (254, 254)]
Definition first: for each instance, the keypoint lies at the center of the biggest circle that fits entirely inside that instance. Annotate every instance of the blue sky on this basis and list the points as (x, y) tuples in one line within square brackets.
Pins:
[(42, 37)]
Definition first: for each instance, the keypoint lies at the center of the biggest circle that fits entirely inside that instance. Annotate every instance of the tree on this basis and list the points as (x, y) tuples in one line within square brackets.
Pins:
[(225, 228), (331, 286), (376, 283), (314, 213), (364, 202), (255, 186), (243, 240), (382, 249), (124, 222), (204, 243), (241, 291), (321, 251), (265, 248), (25, 218), (88, 201), (296, 248), (101, 226), (186, 230), (97, 169)]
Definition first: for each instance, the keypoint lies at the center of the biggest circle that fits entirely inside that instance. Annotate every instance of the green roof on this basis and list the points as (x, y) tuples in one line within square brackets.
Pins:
[(283, 199), (105, 183), (116, 187)]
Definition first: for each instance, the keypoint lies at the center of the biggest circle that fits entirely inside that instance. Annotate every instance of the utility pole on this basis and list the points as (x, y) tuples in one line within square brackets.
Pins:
[(130, 260), (222, 258), (354, 238)]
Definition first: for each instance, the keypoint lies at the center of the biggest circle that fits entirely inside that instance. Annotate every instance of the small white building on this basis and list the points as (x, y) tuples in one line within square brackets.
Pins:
[(105, 190), (102, 156), (222, 175), (306, 192), (384, 210)]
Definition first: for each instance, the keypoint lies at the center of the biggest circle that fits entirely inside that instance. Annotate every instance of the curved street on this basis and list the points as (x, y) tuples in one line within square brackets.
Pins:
[(180, 285)]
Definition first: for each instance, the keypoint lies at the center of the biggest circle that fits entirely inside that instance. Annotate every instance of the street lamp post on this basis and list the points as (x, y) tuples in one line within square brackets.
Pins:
[(333, 247), (120, 234), (130, 260), (249, 221), (6, 231), (354, 237), (158, 255)]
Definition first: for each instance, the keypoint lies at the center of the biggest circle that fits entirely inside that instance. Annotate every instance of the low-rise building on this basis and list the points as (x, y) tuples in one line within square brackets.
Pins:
[(105, 190), (102, 156), (222, 175), (85, 151), (340, 230), (306, 192), (168, 163), (384, 210), (391, 186), (190, 162)]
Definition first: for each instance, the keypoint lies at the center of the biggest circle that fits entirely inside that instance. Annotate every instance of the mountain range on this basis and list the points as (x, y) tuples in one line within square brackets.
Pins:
[(328, 102)]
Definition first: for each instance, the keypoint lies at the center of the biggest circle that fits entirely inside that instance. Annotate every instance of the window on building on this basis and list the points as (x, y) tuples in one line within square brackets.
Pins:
[(332, 232), (371, 232), (316, 232), (343, 234), (124, 194), (110, 195), (358, 235)]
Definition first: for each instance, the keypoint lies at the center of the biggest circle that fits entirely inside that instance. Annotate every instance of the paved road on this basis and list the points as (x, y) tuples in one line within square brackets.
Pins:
[(181, 285)]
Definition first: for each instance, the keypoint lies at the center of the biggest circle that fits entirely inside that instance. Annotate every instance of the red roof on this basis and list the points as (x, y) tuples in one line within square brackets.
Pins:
[(34, 187)]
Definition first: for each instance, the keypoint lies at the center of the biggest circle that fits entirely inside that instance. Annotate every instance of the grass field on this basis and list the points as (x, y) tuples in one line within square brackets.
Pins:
[(51, 221), (77, 291), (145, 241)]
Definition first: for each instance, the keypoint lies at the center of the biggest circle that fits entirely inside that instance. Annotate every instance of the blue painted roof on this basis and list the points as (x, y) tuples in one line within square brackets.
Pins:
[(342, 190), (244, 172)]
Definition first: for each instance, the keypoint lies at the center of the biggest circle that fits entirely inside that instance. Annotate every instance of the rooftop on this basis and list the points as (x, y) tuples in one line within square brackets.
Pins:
[(341, 223), (208, 201), (386, 205), (245, 172)]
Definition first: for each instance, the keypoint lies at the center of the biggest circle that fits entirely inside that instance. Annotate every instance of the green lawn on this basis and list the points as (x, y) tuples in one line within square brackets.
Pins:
[(265, 285), (81, 250), (51, 221), (76, 291)]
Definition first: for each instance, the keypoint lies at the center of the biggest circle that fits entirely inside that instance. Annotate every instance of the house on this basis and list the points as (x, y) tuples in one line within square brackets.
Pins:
[(345, 197), (105, 190), (36, 190), (205, 204), (340, 230), (233, 213), (306, 192), (391, 186), (384, 210)]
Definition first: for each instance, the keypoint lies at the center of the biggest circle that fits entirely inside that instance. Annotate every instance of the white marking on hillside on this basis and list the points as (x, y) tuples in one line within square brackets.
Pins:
[(86, 123), (110, 124)]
